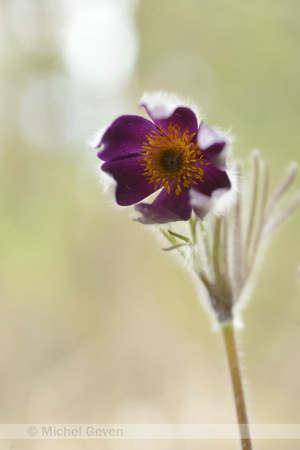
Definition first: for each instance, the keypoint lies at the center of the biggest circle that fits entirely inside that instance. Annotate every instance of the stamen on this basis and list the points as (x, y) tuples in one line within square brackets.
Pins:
[(169, 156)]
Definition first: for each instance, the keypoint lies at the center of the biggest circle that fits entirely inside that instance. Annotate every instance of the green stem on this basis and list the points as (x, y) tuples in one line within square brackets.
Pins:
[(233, 361)]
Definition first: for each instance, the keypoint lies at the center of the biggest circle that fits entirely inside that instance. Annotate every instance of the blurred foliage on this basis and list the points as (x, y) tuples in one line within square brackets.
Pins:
[(97, 324)]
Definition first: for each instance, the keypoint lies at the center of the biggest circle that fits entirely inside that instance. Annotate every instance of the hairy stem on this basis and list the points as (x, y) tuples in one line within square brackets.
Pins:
[(233, 361)]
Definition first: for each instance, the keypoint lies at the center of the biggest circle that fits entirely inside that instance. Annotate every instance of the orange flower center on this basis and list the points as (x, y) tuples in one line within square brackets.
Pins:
[(169, 156)]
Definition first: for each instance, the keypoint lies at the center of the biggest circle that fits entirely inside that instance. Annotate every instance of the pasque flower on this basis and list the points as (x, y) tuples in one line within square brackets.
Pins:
[(186, 161), (172, 153)]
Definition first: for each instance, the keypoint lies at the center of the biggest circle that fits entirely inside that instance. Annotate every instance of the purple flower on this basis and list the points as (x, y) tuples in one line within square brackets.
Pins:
[(170, 153)]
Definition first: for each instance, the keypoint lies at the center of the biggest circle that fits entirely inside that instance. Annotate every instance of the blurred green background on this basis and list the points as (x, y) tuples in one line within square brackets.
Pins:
[(97, 324)]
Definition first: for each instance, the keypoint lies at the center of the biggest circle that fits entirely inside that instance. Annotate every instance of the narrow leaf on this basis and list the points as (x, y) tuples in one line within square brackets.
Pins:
[(291, 175), (174, 247), (253, 207), (179, 236), (283, 215), (168, 236)]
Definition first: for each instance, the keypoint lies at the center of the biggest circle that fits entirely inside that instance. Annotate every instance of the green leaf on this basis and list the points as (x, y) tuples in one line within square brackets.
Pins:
[(168, 236), (174, 247), (179, 236)]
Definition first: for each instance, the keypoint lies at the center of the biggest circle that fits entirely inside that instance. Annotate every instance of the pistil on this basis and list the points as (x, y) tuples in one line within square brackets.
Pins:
[(169, 156)]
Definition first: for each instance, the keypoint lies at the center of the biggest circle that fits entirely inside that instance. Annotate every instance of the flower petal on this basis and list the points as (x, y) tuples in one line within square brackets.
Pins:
[(163, 115), (132, 186), (166, 207), (212, 145), (213, 178), (155, 214), (125, 137), (202, 203)]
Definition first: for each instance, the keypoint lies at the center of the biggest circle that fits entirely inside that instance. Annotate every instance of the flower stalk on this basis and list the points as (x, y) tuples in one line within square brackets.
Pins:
[(236, 379), (179, 155)]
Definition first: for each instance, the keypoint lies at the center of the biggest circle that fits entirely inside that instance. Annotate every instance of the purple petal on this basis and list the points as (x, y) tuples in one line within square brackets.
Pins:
[(132, 186), (182, 116), (212, 145), (202, 203), (125, 137), (166, 207), (155, 214), (213, 178)]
